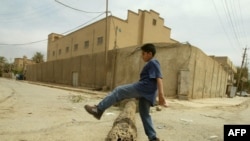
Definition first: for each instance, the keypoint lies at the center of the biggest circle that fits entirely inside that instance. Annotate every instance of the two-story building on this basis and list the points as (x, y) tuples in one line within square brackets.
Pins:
[(138, 28)]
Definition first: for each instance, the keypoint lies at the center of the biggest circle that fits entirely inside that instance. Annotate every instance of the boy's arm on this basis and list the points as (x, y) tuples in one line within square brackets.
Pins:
[(162, 100)]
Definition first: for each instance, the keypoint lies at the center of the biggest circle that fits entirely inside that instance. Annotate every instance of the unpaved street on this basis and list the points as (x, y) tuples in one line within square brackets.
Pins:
[(30, 112)]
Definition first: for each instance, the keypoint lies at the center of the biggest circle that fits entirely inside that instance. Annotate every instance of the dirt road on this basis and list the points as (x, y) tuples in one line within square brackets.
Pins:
[(30, 112)]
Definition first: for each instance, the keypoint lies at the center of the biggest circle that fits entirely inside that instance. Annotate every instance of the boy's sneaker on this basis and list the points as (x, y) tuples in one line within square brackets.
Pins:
[(155, 139), (93, 110)]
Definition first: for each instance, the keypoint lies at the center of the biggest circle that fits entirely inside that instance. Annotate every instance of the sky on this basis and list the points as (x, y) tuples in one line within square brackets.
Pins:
[(217, 27)]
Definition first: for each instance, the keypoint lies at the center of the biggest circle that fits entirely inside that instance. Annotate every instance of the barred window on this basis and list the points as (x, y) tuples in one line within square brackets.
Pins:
[(99, 40), (86, 44), (60, 51), (67, 49), (75, 47), (154, 22)]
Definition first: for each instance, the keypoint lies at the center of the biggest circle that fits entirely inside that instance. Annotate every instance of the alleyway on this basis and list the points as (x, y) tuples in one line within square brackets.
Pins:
[(30, 112)]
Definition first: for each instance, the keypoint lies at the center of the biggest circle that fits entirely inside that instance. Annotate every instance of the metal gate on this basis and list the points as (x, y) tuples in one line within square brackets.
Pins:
[(183, 84)]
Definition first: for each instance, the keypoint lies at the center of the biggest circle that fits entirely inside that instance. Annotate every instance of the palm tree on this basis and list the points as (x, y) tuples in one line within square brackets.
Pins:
[(38, 57), (2, 59), (2, 63)]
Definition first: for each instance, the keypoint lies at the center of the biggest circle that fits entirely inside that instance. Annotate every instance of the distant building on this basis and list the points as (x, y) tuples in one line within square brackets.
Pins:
[(20, 64), (139, 28)]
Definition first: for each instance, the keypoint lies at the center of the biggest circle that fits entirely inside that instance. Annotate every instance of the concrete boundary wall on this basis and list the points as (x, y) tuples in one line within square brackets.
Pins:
[(204, 77), (90, 70)]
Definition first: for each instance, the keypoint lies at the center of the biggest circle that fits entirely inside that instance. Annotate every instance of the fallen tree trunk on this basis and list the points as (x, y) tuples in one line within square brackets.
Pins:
[(124, 128)]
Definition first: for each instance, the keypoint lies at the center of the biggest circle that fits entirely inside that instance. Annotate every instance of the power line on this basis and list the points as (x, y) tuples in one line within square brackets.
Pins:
[(75, 8), (21, 44), (227, 12), (235, 19), (83, 23), (33, 42), (223, 27), (26, 15), (241, 20), (38, 41), (236, 12)]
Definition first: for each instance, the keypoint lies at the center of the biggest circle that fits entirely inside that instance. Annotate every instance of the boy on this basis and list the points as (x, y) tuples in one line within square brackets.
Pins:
[(145, 90)]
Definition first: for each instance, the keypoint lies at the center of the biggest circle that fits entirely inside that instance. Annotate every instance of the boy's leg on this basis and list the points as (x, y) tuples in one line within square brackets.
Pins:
[(144, 109), (118, 94)]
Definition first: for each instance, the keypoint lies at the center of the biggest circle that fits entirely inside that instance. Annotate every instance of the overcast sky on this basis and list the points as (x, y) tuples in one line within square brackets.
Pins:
[(217, 27)]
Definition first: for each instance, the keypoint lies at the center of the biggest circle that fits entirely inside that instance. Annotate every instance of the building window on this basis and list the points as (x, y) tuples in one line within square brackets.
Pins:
[(99, 40), (75, 47), (67, 49), (60, 51), (53, 53), (86, 44), (154, 22)]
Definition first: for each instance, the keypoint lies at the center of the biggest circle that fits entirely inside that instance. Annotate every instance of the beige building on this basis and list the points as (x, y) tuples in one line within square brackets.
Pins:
[(20, 64), (142, 27), (77, 59)]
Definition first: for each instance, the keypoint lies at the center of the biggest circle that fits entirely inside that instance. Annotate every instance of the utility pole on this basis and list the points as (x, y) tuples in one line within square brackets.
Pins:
[(106, 32), (239, 77), (106, 45), (244, 79)]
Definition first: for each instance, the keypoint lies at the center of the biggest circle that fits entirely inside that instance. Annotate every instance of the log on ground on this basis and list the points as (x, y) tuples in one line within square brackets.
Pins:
[(124, 128)]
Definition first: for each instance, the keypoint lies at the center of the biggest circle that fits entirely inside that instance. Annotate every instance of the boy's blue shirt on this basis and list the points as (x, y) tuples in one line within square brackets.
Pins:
[(147, 85)]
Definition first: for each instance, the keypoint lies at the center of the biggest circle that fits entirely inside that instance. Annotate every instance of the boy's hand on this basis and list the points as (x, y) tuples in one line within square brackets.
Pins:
[(163, 101)]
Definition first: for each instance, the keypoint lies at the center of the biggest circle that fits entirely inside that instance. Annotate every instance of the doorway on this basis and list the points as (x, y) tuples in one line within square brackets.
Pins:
[(75, 79)]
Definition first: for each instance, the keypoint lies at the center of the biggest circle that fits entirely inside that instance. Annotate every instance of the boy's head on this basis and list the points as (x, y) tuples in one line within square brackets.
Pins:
[(149, 48), (148, 52)]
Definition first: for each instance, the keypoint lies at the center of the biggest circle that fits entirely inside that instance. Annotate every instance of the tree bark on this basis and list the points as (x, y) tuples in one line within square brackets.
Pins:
[(124, 128)]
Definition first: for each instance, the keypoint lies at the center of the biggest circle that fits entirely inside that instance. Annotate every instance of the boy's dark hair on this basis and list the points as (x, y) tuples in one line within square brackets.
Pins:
[(149, 48)]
